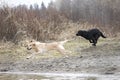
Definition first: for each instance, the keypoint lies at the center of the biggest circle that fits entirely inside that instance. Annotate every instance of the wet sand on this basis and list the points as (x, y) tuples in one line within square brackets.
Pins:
[(104, 59)]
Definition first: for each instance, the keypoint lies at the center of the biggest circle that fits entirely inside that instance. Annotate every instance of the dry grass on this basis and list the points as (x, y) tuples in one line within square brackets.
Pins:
[(15, 27), (11, 51)]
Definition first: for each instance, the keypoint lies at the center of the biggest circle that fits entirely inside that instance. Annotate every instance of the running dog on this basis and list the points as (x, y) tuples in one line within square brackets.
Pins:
[(92, 35), (38, 47)]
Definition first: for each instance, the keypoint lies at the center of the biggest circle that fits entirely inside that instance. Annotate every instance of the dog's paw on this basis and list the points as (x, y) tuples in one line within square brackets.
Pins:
[(93, 44), (27, 57)]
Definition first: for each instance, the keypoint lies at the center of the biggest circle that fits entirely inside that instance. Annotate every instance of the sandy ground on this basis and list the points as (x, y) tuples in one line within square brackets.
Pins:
[(102, 59)]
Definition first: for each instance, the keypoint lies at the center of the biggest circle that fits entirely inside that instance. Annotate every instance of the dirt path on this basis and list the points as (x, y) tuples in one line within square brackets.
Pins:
[(102, 59)]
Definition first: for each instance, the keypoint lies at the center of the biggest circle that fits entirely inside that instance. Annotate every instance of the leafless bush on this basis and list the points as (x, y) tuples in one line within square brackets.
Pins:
[(19, 23)]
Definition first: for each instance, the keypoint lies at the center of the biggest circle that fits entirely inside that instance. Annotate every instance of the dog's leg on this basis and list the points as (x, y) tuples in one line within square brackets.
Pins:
[(32, 55), (94, 42), (62, 50), (90, 41)]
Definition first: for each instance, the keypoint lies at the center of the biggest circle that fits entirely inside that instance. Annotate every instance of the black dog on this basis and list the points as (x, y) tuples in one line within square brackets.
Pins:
[(91, 35)]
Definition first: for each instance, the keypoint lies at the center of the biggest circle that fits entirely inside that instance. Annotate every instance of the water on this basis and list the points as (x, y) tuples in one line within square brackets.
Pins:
[(55, 76)]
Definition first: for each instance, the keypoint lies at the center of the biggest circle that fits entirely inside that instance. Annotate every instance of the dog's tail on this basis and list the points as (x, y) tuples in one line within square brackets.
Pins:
[(102, 35), (66, 40), (62, 42)]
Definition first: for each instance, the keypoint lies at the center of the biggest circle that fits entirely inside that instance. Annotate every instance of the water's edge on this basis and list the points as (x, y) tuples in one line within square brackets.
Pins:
[(60, 74)]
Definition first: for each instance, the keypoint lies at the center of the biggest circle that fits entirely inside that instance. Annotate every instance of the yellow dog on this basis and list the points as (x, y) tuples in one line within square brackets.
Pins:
[(38, 47)]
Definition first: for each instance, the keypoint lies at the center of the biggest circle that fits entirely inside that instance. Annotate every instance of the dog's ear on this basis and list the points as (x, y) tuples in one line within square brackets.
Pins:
[(33, 44), (32, 40)]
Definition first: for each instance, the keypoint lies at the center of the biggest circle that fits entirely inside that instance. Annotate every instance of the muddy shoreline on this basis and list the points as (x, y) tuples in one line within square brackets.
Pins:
[(102, 59)]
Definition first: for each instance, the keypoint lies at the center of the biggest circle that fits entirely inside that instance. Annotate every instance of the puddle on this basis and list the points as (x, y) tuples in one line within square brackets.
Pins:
[(55, 76)]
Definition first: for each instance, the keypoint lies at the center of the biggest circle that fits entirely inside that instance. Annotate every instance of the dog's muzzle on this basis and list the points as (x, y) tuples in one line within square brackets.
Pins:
[(29, 48), (77, 34)]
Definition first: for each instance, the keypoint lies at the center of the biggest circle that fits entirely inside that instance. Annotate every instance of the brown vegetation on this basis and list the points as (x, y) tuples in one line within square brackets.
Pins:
[(57, 22)]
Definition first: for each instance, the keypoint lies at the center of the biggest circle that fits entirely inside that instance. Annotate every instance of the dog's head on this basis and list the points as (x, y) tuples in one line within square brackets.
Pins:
[(79, 33), (30, 44)]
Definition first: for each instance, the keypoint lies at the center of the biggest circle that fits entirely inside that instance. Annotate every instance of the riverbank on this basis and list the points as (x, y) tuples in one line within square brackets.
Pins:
[(102, 59)]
